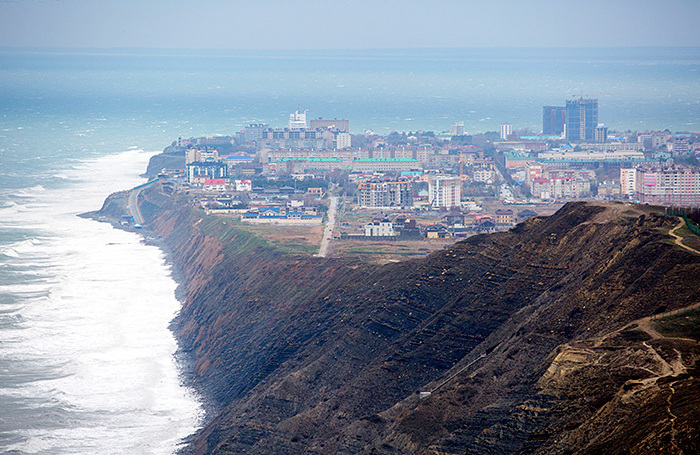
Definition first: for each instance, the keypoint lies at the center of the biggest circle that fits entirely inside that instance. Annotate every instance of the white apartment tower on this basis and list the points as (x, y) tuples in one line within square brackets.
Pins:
[(343, 141), (444, 192), (506, 130), (297, 121), (628, 179)]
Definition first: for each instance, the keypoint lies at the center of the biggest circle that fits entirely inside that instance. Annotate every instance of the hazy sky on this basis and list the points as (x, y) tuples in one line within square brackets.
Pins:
[(316, 24)]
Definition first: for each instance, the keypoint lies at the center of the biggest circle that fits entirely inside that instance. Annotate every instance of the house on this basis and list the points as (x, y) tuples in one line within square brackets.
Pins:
[(317, 192), (215, 185), (436, 231), (271, 212), (243, 185), (453, 219), (287, 190), (505, 218), (484, 225), (382, 228)]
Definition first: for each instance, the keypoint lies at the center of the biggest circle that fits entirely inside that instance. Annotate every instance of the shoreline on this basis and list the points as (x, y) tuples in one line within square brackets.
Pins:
[(184, 360)]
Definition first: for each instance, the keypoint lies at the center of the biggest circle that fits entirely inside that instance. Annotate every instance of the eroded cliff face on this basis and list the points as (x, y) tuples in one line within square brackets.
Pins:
[(522, 337)]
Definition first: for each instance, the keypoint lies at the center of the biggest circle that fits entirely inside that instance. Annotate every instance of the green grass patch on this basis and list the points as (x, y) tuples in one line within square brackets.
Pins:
[(681, 325), (689, 238)]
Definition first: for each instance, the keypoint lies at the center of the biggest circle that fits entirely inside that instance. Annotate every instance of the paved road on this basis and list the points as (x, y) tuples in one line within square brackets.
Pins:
[(328, 230), (133, 202)]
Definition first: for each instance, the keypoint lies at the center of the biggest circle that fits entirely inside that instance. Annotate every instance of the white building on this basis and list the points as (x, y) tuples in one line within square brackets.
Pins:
[(297, 121), (627, 181), (343, 141), (195, 154), (484, 175), (243, 185), (444, 192), (380, 229), (506, 130)]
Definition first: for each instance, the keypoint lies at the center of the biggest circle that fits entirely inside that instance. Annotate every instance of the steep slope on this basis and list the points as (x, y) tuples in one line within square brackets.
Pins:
[(517, 335)]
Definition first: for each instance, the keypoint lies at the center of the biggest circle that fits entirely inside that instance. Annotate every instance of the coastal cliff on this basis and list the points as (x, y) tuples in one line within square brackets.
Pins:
[(529, 341)]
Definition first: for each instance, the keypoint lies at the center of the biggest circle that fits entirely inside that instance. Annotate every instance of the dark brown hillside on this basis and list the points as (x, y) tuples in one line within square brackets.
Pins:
[(517, 335)]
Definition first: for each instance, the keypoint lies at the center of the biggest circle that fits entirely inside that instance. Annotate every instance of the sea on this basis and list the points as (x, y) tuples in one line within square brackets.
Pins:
[(88, 363)]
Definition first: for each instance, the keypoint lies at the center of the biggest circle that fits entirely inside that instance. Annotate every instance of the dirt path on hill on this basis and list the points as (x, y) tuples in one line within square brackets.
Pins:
[(679, 239), (645, 324)]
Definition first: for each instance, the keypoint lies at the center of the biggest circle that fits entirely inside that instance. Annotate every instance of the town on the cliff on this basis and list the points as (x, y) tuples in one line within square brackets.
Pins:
[(424, 185)]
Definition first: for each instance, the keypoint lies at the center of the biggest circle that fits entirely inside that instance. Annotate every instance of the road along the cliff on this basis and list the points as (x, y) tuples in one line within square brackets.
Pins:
[(133, 202), (328, 231)]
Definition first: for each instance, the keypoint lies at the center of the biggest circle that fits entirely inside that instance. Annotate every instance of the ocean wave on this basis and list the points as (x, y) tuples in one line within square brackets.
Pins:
[(9, 252), (23, 246), (8, 204), (27, 192), (27, 289)]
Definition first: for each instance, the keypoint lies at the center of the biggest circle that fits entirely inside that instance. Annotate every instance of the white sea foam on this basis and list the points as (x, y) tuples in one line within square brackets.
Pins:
[(86, 350)]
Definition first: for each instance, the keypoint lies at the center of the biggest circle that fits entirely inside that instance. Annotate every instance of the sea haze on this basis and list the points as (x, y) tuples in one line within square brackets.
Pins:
[(86, 358), (220, 92)]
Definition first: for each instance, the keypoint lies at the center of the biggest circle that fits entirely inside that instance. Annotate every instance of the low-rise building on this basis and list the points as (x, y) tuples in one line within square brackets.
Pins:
[(315, 192), (281, 215), (382, 228), (385, 164), (518, 159), (243, 185), (215, 185), (505, 217), (609, 190), (484, 175), (436, 231)]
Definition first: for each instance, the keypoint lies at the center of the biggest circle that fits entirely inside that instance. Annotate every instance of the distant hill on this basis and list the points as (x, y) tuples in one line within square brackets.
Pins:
[(526, 340)]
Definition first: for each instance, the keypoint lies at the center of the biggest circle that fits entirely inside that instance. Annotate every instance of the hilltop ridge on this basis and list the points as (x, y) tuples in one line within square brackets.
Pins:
[(526, 340)]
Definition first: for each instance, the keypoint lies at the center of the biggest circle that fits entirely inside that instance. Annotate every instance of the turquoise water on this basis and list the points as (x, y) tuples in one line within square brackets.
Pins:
[(86, 358), (209, 93)]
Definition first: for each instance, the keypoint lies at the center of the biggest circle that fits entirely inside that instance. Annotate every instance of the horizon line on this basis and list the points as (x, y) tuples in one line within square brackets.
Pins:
[(329, 49)]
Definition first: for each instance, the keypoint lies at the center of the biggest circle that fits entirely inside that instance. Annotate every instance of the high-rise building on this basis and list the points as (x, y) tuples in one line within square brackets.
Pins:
[(254, 131), (457, 129), (444, 192), (506, 130), (601, 133), (628, 181), (297, 121), (553, 119), (581, 119), (343, 141)]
